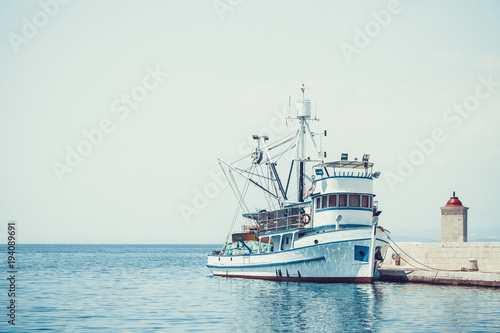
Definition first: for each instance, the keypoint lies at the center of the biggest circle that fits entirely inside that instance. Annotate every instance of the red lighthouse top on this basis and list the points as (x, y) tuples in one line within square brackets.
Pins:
[(454, 202)]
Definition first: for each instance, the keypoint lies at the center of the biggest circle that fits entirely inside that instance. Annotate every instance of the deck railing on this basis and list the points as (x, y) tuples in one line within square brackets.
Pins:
[(267, 225)]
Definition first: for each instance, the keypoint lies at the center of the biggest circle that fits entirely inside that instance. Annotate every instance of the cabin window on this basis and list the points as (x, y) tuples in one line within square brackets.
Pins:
[(286, 242), (332, 200), (354, 200), (324, 200), (365, 201), (342, 200), (318, 203), (371, 202)]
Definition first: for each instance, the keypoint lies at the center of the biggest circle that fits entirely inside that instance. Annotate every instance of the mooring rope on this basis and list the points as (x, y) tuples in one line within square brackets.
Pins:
[(431, 268)]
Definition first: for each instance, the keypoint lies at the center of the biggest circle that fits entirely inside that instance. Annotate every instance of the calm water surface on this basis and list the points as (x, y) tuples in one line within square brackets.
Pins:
[(167, 288)]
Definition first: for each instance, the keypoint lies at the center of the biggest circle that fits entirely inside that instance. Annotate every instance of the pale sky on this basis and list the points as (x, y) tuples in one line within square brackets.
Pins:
[(171, 86)]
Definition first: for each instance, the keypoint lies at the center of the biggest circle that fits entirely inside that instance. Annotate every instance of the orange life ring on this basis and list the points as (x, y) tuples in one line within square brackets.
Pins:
[(305, 219)]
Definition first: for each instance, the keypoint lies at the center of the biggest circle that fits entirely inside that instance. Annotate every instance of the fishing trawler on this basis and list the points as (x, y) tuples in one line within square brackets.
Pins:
[(330, 233)]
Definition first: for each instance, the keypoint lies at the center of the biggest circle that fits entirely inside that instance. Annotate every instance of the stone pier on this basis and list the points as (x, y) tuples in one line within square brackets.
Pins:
[(445, 263), (453, 261)]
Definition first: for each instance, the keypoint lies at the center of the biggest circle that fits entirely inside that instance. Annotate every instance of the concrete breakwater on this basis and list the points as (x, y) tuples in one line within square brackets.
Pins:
[(443, 263), (441, 277)]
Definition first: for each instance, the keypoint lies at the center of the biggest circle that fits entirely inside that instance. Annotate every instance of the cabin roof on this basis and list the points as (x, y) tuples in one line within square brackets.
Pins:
[(345, 164)]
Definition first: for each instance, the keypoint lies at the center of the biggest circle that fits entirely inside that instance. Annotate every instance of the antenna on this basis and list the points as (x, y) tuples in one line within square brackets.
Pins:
[(303, 89)]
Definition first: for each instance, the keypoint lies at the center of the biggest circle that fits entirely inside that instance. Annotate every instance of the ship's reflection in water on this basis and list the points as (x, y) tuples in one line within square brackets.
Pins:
[(311, 307)]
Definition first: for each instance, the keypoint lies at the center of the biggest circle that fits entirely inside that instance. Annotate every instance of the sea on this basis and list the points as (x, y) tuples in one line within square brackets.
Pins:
[(167, 288)]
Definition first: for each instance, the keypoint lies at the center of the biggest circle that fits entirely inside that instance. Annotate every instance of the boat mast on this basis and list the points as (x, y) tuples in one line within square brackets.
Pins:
[(303, 114)]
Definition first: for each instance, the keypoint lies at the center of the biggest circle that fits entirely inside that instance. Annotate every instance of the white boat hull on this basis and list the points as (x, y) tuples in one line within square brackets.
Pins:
[(324, 256)]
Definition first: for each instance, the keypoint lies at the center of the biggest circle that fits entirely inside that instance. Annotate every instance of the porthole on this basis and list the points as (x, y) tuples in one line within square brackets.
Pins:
[(315, 241)]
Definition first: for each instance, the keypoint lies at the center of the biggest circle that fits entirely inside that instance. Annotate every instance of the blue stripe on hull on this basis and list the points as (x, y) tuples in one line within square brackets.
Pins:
[(270, 264)]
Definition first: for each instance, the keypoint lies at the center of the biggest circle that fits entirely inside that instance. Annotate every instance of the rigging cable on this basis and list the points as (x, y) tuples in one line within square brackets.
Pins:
[(238, 194), (266, 195), (280, 155), (314, 142)]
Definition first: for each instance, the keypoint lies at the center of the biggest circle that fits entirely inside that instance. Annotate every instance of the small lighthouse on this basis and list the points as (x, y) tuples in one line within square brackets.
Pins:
[(454, 221)]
